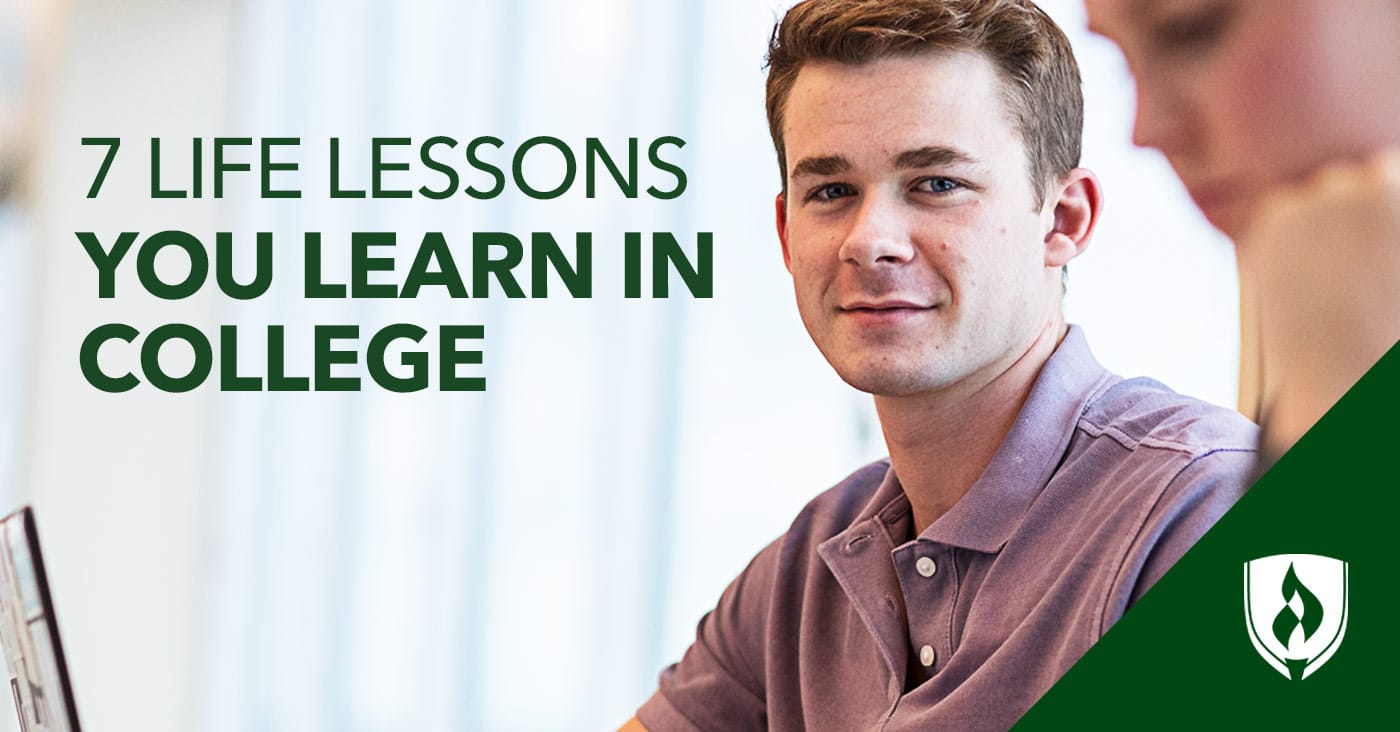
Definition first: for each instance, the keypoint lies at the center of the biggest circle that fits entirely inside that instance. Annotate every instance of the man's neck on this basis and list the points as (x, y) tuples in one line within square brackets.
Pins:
[(941, 442)]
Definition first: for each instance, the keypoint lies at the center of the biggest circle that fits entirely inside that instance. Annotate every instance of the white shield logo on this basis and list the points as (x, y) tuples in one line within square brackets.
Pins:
[(1295, 607)]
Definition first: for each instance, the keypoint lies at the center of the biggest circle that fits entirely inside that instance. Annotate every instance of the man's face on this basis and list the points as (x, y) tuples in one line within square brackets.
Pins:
[(1244, 95), (910, 227)]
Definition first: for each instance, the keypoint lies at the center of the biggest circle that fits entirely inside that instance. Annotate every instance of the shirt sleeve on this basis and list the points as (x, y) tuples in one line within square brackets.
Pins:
[(1199, 494), (718, 684)]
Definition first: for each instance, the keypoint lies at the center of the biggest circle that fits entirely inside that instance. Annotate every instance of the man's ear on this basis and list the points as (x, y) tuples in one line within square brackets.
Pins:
[(1077, 199), (781, 205)]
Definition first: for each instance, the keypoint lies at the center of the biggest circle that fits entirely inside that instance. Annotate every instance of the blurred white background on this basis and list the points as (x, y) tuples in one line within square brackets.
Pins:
[(527, 558)]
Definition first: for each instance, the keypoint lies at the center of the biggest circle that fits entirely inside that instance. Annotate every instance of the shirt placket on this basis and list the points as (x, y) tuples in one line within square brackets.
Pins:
[(929, 582)]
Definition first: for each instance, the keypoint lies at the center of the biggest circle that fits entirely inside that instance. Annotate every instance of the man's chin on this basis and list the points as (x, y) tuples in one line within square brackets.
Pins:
[(887, 382)]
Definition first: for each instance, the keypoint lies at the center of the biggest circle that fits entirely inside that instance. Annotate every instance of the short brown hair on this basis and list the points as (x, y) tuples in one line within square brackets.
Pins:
[(1040, 76)]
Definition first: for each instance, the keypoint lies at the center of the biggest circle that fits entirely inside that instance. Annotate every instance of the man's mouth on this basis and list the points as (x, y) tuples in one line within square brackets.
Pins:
[(884, 312), (884, 305), (1219, 202)]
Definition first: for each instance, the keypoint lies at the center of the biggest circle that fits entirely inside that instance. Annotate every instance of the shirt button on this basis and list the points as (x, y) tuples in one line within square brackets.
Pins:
[(927, 656), (926, 567)]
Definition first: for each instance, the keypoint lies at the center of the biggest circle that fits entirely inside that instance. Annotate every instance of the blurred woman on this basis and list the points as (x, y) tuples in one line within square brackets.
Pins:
[(1282, 117)]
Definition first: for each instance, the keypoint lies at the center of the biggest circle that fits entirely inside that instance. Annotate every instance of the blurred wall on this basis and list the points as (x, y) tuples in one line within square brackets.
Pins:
[(117, 480)]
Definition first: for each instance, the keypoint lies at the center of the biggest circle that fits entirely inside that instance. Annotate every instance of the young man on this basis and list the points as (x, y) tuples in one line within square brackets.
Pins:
[(930, 202)]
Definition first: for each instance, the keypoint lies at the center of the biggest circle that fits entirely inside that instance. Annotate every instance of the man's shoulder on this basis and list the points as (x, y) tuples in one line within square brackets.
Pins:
[(835, 509), (1142, 413)]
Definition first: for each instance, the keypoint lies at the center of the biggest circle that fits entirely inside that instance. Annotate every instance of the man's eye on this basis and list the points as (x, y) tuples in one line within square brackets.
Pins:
[(1194, 31), (831, 192), (939, 185)]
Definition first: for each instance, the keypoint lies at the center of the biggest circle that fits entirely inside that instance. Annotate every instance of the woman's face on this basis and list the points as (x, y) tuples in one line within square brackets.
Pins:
[(1243, 95)]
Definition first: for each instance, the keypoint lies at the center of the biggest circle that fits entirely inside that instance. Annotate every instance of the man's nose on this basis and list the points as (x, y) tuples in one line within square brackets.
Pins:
[(1161, 115), (879, 234)]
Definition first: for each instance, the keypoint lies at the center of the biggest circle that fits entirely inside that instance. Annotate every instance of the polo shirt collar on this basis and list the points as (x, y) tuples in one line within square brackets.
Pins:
[(859, 559), (991, 510), (987, 515)]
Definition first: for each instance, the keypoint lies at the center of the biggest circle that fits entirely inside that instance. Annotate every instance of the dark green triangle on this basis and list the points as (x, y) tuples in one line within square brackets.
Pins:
[(1182, 658)]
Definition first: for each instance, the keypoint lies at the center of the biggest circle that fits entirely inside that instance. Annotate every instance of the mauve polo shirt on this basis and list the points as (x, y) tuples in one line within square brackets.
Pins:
[(849, 622)]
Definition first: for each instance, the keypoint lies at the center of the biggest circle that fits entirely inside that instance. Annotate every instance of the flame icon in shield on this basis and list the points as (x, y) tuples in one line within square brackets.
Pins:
[(1295, 608)]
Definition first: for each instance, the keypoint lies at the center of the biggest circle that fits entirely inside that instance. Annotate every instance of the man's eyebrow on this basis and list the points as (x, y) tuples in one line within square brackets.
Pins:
[(821, 165), (1134, 8), (928, 157)]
